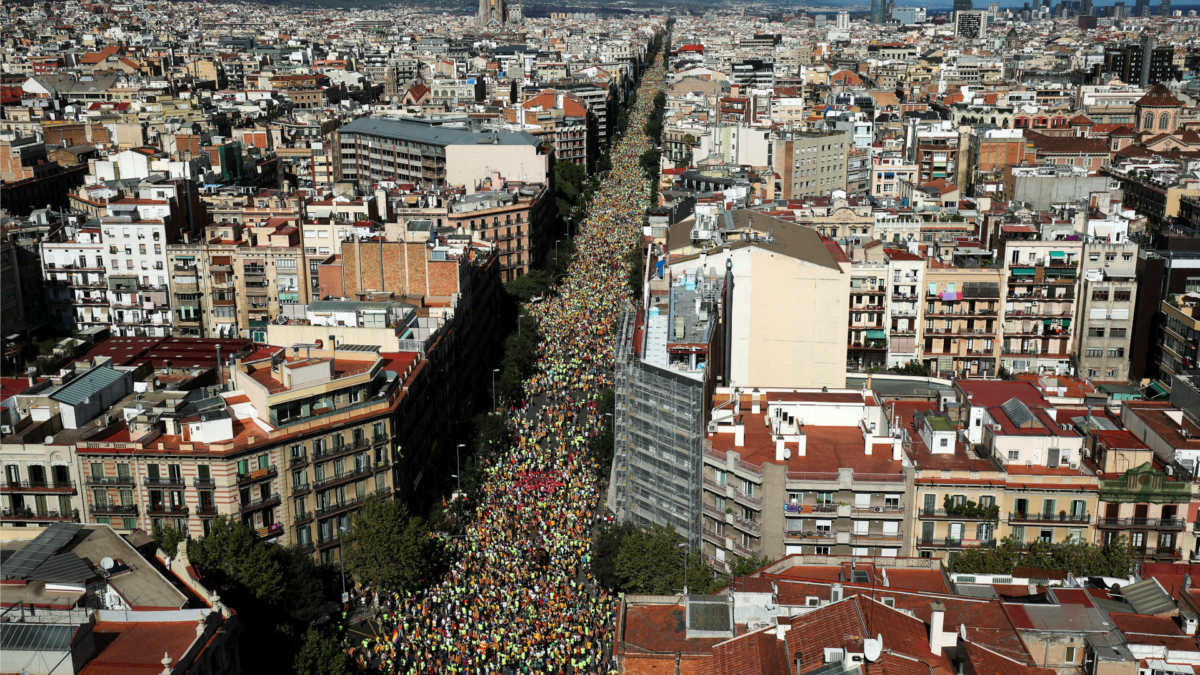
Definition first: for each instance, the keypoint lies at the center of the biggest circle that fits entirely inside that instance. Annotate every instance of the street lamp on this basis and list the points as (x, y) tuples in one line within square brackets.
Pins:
[(494, 389), (683, 545), (342, 561), (556, 251), (458, 466)]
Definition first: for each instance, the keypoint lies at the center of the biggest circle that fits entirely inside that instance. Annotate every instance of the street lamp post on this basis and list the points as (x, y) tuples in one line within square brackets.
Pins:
[(684, 546), (556, 251), (342, 559), (494, 388), (458, 466)]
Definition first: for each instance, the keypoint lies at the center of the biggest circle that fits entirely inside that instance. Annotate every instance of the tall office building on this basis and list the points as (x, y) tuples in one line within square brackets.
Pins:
[(879, 12), (962, 6), (843, 20), (1164, 8), (969, 24)]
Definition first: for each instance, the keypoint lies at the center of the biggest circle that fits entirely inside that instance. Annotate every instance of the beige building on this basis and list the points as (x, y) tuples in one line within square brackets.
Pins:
[(1042, 280), (960, 319), (790, 297)]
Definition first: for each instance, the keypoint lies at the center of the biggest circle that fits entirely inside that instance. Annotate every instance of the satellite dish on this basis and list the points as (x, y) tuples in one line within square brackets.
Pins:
[(48, 440), (107, 563), (87, 400), (873, 648)]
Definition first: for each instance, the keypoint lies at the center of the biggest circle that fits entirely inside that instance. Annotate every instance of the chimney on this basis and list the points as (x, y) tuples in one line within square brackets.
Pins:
[(754, 404), (780, 449), (802, 444), (739, 434), (937, 620), (737, 401), (897, 449)]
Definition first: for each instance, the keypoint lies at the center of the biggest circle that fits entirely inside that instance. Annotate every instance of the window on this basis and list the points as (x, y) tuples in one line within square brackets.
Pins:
[(1121, 296), (1014, 455), (1100, 294), (825, 498), (747, 488), (1069, 655), (1096, 332)]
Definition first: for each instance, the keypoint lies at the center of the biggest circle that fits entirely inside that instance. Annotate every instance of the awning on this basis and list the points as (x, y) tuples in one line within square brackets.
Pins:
[(1046, 321), (1022, 271), (1022, 229), (1155, 390), (875, 335), (1066, 323), (1057, 254), (258, 324)]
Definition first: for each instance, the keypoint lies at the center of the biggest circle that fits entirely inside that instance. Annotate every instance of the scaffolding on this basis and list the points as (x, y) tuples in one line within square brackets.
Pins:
[(658, 426)]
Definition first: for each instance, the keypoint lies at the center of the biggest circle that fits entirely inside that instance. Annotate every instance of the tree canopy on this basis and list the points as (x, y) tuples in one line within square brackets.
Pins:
[(386, 547), (1078, 557), (321, 655)]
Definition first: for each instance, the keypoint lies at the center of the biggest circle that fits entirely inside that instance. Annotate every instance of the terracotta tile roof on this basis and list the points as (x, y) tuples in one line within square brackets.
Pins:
[(1159, 96), (988, 662), (757, 653)]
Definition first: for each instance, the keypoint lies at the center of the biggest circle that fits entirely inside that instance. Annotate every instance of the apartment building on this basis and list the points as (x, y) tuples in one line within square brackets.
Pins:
[(961, 319), (433, 153), (934, 149), (1178, 339), (905, 306), (1042, 283), (869, 321), (1141, 499), (238, 279), (1050, 486), (299, 441), (887, 170), (812, 163), (802, 471), (1108, 293)]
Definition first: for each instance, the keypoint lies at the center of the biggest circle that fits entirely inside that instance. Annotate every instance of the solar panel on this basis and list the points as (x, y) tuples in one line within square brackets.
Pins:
[(63, 568), (25, 561), (38, 637), (1017, 413)]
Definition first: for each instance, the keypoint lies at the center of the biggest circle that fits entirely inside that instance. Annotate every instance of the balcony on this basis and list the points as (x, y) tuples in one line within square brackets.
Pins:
[(28, 515), (354, 473), (747, 525), (207, 509), (260, 502), (207, 483), (302, 517), (110, 481), (164, 482), (298, 460), (338, 450), (300, 488), (1049, 518), (114, 509), (65, 487), (957, 514), (268, 531), (162, 508), (878, 511), (948, 542), (350, 503), (1159, 552), (1141, 523), (258, 474), (812, 537)]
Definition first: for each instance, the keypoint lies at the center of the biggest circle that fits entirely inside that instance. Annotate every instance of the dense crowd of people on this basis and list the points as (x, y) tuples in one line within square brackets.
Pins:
[(519, 597)]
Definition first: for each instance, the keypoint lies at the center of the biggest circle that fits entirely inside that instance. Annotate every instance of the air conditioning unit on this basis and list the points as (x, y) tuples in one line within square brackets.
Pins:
[(878, 509), (1074, 466), (6, 429)]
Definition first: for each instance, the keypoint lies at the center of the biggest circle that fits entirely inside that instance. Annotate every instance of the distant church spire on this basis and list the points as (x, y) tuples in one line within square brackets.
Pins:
[(493, 12)]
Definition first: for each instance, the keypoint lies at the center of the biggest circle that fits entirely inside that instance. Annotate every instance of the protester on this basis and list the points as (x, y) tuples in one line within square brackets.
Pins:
[(519, 596)]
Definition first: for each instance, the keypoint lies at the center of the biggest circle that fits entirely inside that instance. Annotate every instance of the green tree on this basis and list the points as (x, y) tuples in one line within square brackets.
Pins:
[(912, 368), (650, 161), (637, 274), (1081, 558), (305, 588), (528, 286), (321, 655), (600, 446), (651, 561), (744, 567), (231, 559), (568, 181), (606, 546), (167, 538), (386, 546)]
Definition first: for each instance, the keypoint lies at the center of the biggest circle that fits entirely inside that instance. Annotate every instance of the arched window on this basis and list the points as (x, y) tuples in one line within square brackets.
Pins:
[(1148, 122), (1164, 122)]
